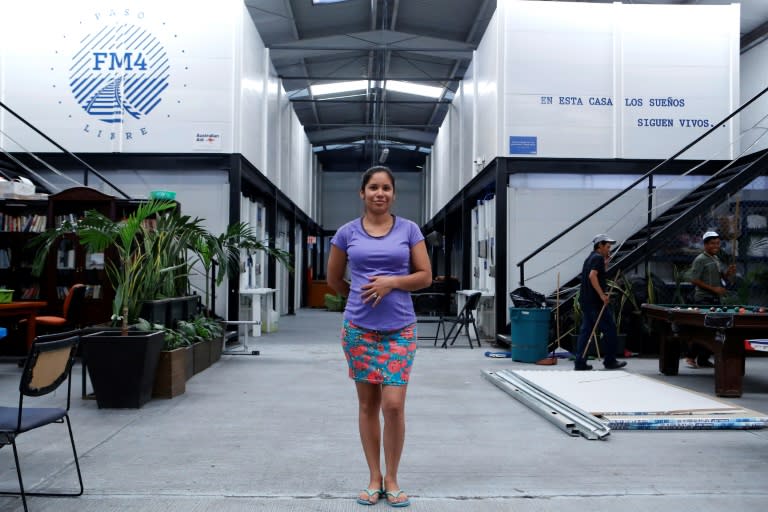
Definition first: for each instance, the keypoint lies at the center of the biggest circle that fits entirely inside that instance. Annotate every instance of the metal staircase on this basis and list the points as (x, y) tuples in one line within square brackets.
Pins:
[(635, 249), (657, 233), (673, 221)]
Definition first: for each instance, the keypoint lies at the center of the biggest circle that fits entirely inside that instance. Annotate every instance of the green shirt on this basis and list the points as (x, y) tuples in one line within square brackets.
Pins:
[(707, 269)]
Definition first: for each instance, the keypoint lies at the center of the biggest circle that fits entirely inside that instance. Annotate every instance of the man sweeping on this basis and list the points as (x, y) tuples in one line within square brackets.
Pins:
[(595, 305)]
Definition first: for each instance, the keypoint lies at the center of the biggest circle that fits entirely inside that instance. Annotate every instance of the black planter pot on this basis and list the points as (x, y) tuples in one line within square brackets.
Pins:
[(191, 306), (177, 310), (156, 311), (122, 367)]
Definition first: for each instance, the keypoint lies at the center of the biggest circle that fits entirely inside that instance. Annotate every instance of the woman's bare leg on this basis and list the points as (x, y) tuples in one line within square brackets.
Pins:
[(369, 403), (393, 407)]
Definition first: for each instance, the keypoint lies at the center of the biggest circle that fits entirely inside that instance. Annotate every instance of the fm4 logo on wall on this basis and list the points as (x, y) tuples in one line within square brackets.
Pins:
[(118, 74)]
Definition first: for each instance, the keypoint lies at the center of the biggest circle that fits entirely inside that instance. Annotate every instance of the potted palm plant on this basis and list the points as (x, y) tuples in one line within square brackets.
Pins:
[(122, 363), (167, 299), (223, 253)]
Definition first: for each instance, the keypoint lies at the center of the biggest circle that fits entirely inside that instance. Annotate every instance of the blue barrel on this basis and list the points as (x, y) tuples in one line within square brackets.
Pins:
[(529, 331)]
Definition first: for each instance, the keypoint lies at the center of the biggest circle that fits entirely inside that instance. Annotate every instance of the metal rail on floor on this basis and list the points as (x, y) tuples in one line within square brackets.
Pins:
[(565, 416)]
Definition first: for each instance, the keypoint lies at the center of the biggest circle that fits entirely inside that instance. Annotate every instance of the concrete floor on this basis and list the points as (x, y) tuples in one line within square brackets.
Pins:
[(279, 432)]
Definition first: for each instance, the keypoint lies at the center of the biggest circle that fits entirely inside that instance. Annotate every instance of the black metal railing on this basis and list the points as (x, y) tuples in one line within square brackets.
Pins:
[(87, 169), (647, 176)]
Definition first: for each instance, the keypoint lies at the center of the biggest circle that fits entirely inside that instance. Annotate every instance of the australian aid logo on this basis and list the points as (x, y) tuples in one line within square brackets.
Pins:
[(119, 74)]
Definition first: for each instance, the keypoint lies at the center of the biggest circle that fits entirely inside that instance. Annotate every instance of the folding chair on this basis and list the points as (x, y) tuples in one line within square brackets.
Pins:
[(430, 308), (48, 365), (465, 318)]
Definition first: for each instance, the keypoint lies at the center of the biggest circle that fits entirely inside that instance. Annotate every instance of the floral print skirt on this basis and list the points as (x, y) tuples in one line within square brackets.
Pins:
[(379, 357)]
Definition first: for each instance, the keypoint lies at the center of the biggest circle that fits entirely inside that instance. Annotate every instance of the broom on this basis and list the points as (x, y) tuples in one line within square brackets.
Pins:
[(552, 360), (597, 322)]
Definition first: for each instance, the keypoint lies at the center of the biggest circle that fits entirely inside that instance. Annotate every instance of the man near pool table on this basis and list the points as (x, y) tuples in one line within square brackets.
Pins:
[(708, 275)]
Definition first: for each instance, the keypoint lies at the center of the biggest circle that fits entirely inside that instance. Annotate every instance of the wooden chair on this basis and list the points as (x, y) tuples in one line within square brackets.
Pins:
[(48, 365), (71, 315)]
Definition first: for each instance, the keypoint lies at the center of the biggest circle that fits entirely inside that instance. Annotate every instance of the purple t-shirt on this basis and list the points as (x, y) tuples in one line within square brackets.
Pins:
[(388, 255)]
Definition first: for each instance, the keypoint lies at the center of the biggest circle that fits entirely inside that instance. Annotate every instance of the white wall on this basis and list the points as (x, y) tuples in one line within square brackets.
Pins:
[(251, 108), (208, 85), (190, 59), (575, 75), (754, 78), (210, 88), (581, 80), (272, 123), (488, 67)]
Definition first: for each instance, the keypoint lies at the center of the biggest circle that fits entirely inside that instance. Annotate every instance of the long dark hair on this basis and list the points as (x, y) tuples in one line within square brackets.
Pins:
[(373, 170)]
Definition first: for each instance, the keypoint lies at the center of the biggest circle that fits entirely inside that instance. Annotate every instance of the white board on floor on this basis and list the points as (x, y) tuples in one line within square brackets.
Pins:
[(621, 393)]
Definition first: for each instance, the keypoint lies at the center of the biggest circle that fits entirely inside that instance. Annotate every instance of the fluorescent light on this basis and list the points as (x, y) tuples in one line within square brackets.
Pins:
[(338, 87), (411, 88), (320, 2)]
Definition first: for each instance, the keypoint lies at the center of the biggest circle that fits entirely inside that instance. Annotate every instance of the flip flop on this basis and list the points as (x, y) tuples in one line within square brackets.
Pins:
[(371, 493), (396, 495)]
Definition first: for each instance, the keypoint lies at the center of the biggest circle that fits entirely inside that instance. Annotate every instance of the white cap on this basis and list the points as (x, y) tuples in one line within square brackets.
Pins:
[(602, 238), (710, 234)]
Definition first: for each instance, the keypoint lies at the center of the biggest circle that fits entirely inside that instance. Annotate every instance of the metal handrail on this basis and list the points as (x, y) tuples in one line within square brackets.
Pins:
[(639, 180), (65, 150)]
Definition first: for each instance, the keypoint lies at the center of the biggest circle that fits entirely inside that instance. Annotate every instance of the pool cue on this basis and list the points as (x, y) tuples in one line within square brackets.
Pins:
[(551, 360), (736, 231), (592, 335), (557, 313)]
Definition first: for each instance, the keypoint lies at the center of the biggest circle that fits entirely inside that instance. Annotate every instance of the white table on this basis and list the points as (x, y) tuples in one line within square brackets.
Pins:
[(256, 294), (486, 298)]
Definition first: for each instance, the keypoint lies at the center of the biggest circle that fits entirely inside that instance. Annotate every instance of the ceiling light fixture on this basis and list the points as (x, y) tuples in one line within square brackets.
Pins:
[(338, 87), (321, 2), (417, 89)]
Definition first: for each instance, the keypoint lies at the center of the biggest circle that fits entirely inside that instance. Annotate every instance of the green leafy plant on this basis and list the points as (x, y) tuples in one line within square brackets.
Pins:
[(157, 249), (335, 302), (172, 338), (130, 273), (224, 251), (623, 296), (679, 274)]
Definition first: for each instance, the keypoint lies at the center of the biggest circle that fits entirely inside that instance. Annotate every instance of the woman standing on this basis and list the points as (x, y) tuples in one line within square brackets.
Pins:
[(387, 259)]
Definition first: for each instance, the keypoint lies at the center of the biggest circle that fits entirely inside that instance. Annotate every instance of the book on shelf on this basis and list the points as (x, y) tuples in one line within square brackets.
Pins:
[(30, 292), (22, 223), (61, 292), (93, 291), (61, 219)]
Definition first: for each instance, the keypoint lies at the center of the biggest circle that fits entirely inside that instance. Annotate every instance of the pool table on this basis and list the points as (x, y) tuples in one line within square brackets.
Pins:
[(722, 330)]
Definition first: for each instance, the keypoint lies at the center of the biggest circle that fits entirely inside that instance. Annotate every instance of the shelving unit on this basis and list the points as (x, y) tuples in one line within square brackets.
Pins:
[(69, 263), (19, 221)]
